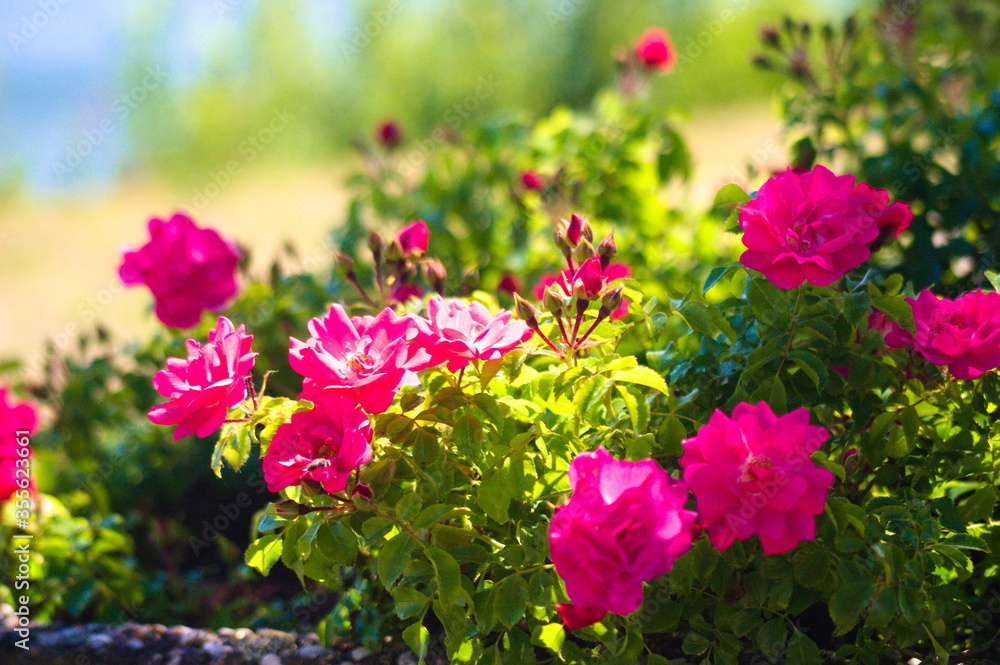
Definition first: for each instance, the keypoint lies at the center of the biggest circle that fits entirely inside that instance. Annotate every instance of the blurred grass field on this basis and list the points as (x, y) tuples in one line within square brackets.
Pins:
[(59, 273)]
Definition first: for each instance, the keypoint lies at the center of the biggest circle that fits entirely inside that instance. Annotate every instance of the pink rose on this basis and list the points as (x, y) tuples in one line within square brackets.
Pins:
[(751, 474), (413, 238), (187, 268), (566, 279), (389, 134), (655, 51), (17, 420), (365, 359), (625, 523), (458, 333), (532, 181), (325, 444), (891, 220), (814, 226), (962, 334), (204, 387)]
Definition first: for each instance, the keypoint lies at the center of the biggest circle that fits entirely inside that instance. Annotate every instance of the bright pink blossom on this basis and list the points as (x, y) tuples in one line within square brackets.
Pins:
[(509, 284), (962, 334), (457, 333), (365, 359), (188, 269), (207, 384), (814, 226), (325, 444), (896, 337), (751, 474), (414, 237), (17, 421), (655, 51), (532, 181), (891, 220), (625, 523), (584, 277)]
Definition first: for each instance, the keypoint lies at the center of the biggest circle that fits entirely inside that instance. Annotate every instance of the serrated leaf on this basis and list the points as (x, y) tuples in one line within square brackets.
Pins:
[(447, 573), (847, 604), (589, 394), (896, 308), (394, 557), (337, 542), (965, 541), (717, 274), (771, 637), (494, 495), (409, 602), (550, 635), (980, 506), (811, 366), (696, 315), (511, 598), (802, 650), (695, 643), (417, 638), (642, 376), (263, 553)]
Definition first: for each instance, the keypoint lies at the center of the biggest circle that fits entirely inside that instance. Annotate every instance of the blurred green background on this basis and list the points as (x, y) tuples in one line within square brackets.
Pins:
[(244, 113)]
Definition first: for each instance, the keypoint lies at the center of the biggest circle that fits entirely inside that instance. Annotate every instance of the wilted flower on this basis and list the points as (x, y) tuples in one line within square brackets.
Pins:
[(655, 51), (457, 333), (325, 444), (17, 420), (962, 334), (188, 269), (812, 226), (363, 358), (751, 475), (624, 524), (207, 384)]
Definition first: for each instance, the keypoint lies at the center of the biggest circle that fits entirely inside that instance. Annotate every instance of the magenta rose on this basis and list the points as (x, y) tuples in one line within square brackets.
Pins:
[(325, 444), (364, 359), (188, 269), (414, 238), (751, 475), (532, 181), (389, 134), (457, 333), (207, 384), (961, 334), (17, 420), (589, 280), (813, 226), (625, 523), (655, 51)]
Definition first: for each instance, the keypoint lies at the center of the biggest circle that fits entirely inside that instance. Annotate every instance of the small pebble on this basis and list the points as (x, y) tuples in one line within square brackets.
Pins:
[(134, 643), (176, 660), (215, 649), (242, 633), (314, 651), (99, 641), (406, 659), (359, 653), (270, 659)]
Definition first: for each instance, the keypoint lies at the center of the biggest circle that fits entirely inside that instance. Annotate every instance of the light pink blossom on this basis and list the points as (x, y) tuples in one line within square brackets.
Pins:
[(325, 444), (751, 475), (187, 268), (625, 523), (457, 333), (364, 359), (203, 387)]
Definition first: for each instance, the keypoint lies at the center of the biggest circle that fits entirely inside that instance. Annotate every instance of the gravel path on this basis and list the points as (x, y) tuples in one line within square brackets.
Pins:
[(133, 644)]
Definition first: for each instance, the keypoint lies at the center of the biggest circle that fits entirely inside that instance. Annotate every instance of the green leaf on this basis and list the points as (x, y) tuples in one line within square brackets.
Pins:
[(337, 542), (642, 376), (731, 193), (263, 553), (589, 394), (494, 495), (550, 635), (771, 637), (772, 391), (802, 650), (811, 366), (980, 506), (394, 557), (409, 602), (669, 436), (447, 573), (847, 604), (695, 643), (511, 599), (417, 638), (637, 406), (717, 274), (896, 308), (697, 316), (965, 541)]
